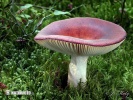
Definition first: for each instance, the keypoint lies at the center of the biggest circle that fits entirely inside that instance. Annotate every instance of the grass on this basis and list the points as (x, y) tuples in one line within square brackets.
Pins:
[(24, 65)]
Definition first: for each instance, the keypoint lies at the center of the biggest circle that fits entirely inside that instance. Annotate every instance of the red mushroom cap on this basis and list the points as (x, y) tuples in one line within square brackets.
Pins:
[(82, 33)]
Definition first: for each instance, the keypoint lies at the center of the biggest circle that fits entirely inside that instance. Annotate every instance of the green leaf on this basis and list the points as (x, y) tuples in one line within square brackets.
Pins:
[(57, 12), (19, 19), (26, 6), (25, 16)]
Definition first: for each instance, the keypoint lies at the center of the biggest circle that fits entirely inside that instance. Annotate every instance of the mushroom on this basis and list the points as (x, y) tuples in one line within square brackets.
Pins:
[(81, 38)]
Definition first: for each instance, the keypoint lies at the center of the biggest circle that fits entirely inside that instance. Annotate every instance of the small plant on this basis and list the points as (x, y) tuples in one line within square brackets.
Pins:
[(2, 86)]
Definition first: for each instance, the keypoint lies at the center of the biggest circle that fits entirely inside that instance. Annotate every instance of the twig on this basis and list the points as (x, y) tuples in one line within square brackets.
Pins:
[(122, 10)]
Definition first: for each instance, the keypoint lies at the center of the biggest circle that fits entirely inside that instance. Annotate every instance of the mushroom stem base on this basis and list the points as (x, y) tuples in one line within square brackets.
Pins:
[(77, 70)]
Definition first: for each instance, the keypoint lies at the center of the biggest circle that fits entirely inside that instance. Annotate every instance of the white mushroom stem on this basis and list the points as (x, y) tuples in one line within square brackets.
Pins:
[(77, 70)]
